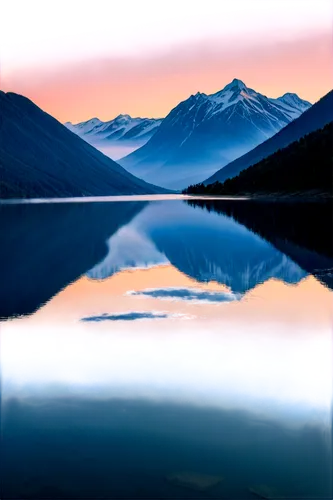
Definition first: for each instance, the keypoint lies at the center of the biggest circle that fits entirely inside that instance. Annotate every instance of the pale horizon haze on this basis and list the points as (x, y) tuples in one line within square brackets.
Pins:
[(83, 59)]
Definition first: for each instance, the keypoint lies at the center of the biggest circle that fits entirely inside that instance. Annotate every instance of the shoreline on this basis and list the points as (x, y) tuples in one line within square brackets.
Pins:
[(296, 197)]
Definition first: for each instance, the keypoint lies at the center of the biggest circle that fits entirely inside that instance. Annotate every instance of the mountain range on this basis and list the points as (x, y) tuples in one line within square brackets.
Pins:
[(40, 157), (122, 128), (205, 132), (316, 117)]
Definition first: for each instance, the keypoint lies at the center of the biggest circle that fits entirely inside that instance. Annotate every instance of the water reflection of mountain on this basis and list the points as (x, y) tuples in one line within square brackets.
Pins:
[(202, 245), (302, 231), (128, 248), (47, 246), (44, 247)]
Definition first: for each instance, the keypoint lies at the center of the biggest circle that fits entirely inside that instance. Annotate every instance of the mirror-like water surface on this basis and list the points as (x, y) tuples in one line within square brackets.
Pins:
[(166, 349)]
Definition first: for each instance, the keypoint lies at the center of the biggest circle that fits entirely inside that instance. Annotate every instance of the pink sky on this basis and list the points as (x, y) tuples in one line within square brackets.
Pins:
[(148, 70)]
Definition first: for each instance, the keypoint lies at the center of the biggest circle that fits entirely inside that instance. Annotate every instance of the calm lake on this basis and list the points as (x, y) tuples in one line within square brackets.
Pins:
[(166, 349)]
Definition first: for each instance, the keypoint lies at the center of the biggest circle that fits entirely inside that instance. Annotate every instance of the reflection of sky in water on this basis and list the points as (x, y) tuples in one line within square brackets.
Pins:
[(257, 359), (234, 366), (246, 346), (111, 358)]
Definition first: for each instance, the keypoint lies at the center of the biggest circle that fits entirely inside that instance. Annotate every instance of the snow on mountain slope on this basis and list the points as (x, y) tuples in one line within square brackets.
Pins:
[(206, 131), (125, 129), (292, 104), (314, 118), (84, 127), (40, 158)]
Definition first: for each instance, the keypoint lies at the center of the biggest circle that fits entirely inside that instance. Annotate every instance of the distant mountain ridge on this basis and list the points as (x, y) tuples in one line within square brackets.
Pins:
[(316, 117), (39, 157), (121, 128), (205, 131)]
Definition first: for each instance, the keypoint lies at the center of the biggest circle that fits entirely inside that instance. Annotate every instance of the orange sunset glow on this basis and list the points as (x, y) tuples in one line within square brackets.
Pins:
[(283, 303), (275, 324), (135, 69)]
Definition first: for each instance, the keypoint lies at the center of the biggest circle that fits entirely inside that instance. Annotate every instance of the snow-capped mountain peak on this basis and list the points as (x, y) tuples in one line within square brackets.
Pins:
[(208, 131), (200, 94), (123, 118), (290, 96), (291, 104), (90, 123), (136, 131), (84, 127), (235, 85), (231, 94), (293, 100), (276, 111)]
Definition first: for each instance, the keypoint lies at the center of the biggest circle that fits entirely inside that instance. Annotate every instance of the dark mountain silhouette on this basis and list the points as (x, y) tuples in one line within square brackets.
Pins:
[(39, 157), (312, 119), (305, 166), (303, 231), (44, 247)]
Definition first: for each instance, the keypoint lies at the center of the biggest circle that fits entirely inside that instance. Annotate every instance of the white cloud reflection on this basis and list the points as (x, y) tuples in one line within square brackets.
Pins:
[(275, 375)]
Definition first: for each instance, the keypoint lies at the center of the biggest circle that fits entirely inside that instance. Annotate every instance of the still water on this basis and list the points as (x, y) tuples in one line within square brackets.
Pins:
[(166, 349)]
